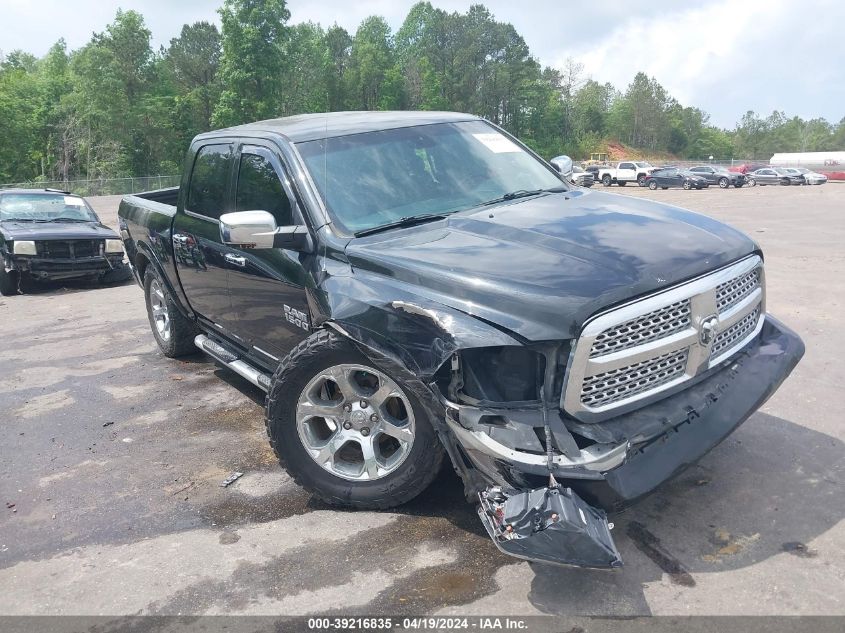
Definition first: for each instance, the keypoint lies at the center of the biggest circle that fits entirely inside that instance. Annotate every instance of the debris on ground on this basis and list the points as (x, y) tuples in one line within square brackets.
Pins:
[(797, 548), (231, 479), (108, 423)]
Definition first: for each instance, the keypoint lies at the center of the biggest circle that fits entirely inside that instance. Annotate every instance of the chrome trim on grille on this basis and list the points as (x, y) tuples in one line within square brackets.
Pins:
[(628, 355)]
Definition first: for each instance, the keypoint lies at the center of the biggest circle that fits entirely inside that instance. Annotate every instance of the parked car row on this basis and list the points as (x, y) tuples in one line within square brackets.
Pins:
[(697, 177), (785, 176)]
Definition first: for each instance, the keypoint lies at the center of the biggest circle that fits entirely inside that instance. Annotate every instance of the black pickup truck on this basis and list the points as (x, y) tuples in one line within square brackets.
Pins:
[(412, 285), (49, 234)]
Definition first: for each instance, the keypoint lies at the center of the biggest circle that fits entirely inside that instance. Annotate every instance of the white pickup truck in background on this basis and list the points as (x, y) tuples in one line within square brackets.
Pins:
[(625, 172)]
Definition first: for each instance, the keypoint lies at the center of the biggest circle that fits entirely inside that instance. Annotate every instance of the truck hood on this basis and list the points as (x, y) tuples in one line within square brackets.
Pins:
[(540, 267), (55, 231)]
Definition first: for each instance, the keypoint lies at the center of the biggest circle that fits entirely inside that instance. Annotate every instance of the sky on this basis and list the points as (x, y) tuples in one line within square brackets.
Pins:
[(723, 56)]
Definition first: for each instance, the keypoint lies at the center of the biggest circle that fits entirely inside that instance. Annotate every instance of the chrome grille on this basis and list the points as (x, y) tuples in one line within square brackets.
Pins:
[(649, 327), (732, 292), (618, 384), (735, 333), (645, 347)]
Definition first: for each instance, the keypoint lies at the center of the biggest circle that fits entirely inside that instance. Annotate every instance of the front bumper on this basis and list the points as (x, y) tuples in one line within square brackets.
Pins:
[(61, 268), (635, 452), (640, 450)]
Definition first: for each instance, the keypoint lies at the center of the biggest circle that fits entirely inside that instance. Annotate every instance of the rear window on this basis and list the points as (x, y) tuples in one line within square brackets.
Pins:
[(209, 179), (40, 207)]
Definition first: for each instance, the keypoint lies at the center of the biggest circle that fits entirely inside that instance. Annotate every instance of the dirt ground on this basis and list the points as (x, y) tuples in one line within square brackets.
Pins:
[(112, 459)]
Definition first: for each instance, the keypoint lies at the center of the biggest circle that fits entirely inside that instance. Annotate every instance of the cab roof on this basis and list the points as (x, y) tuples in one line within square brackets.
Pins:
[(311, 127)]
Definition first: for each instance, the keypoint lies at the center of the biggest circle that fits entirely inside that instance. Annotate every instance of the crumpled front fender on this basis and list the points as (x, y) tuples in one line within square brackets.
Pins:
[(382, 315)]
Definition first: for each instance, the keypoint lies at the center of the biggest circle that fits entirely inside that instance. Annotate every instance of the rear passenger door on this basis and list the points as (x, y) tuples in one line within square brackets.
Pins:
[(706, 173), (626, 171), (267, 286), (201, 257)]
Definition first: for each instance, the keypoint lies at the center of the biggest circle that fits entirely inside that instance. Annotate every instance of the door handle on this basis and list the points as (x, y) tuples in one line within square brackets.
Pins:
[(237, 260)]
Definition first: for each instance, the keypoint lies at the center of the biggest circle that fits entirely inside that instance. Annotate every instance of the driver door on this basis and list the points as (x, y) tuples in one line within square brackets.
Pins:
[(267, 285)]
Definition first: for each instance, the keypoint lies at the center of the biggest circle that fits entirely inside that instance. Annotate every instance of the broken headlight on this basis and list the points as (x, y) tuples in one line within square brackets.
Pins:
[(114, 246), (500, 374), (24, 247)]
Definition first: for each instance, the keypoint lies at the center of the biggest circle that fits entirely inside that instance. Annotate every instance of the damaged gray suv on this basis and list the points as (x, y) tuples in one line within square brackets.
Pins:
[(410, 287)]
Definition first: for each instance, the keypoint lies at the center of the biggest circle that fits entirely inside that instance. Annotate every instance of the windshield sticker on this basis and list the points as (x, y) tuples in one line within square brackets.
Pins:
[(73, 202), (497, 143)]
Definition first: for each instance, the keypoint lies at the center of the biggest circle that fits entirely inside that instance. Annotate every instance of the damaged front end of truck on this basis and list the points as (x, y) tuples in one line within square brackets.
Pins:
[(548, 436)]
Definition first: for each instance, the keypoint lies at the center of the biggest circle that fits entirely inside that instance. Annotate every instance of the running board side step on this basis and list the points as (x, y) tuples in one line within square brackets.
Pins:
[(231, 360)]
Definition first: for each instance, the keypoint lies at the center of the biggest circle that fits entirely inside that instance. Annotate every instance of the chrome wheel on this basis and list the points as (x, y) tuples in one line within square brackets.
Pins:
[(355, 422), (158, 306)]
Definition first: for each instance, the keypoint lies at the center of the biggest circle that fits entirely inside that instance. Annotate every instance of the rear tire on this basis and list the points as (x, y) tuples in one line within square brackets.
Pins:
[(724, 183), (606, 180), (652, 185), (322, 354), (173, 332), (8, 281), (687, 186)]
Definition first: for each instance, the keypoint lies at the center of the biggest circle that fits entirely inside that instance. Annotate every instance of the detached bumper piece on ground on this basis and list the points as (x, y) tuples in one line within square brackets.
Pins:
[(549, 525)]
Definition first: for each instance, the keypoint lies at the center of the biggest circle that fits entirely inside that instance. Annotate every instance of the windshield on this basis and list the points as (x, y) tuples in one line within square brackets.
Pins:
[(375, 178), (41, 207), (802, 170), (643, 164)]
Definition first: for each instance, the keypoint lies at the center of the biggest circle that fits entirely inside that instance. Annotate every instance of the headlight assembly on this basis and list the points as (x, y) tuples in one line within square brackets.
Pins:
[(24, 247), (114, 246), (502, 374)]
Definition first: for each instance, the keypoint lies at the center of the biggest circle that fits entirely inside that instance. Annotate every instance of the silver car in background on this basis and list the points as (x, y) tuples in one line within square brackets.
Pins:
[(810, 177)]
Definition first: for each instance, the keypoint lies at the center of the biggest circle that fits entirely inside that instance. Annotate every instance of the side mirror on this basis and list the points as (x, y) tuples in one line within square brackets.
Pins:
[(257, 229), (563, 165)]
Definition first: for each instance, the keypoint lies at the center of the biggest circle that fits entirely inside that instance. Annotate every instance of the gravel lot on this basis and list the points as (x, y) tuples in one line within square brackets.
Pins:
[(112, 459)]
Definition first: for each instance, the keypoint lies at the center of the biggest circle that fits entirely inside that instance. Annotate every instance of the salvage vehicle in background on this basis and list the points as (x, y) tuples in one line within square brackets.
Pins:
[(667, 177), (811, 177), (625, 172), (52, 235), (409, 286), (719, 176), (581, 177), (773, 176)]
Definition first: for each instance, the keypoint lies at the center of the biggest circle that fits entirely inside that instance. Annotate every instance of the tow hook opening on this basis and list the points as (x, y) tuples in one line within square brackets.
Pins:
[(548, 525)]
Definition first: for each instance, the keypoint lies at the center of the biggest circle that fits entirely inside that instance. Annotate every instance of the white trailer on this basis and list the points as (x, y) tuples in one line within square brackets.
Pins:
[(831, 164)]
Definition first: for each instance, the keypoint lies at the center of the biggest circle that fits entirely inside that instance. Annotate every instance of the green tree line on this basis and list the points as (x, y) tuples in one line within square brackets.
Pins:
[(117, 107)]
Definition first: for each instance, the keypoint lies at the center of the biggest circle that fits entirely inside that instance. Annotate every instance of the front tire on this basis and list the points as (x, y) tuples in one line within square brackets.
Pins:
[(173, 332), (724, 183), (751, 182), (641, 180), (687, 185), (346, 431), (652, 185), (8, 281)]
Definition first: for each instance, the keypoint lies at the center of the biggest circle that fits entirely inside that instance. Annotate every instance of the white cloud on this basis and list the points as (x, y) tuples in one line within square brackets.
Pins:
[(723, 56)]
